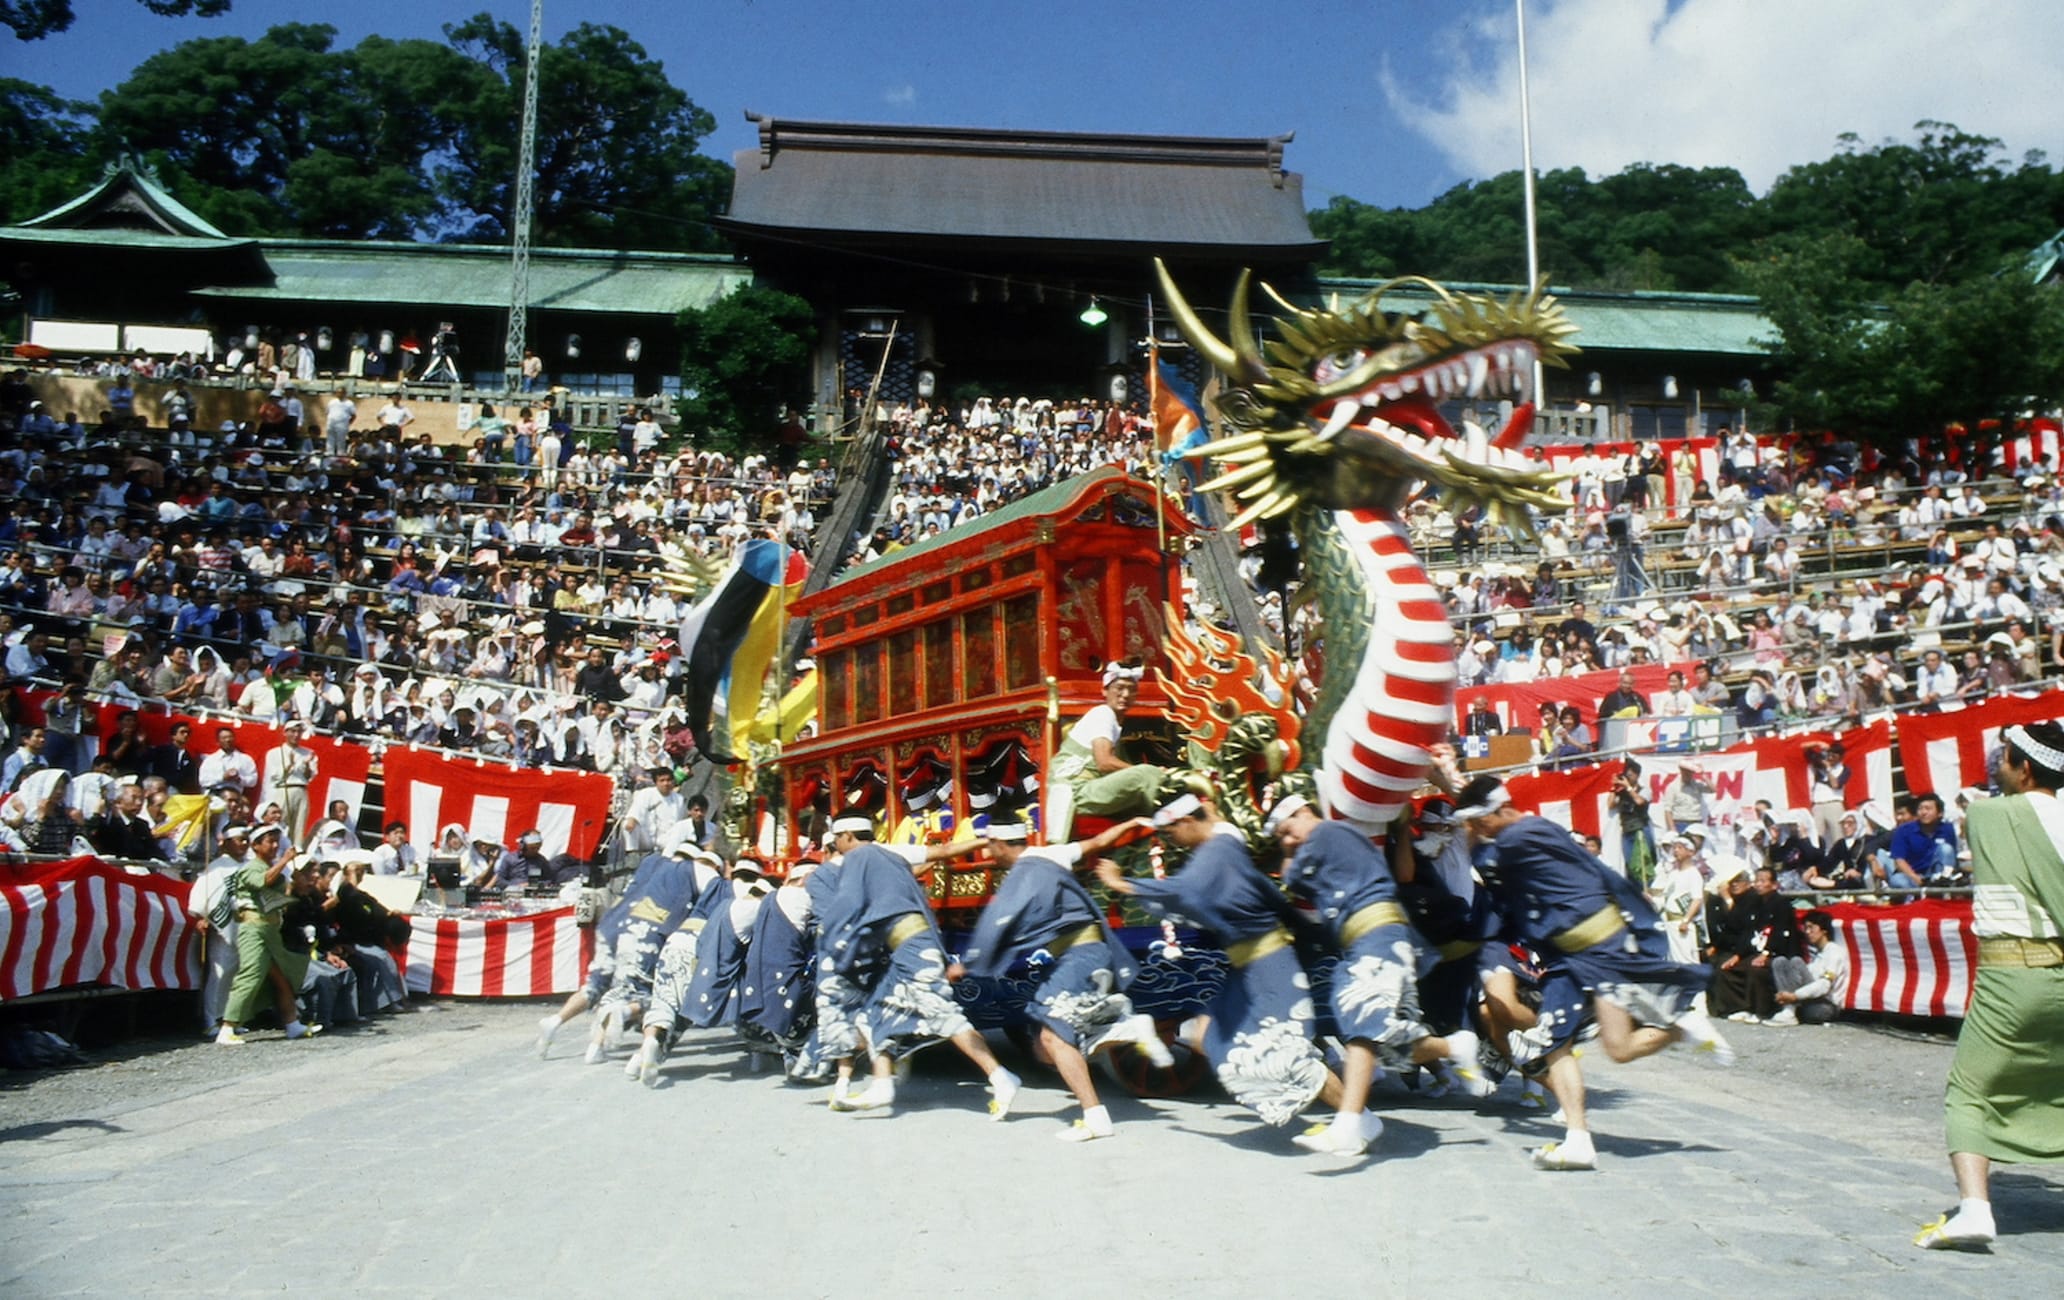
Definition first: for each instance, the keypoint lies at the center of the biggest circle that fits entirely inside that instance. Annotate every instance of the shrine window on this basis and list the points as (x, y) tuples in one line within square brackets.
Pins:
[(903, 673), (938, 663), (868, 703), (978, 652), (835, 678), (1021, 641)]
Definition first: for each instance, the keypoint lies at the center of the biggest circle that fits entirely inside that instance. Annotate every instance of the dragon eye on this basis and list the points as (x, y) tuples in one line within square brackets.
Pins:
[(1339, 363)]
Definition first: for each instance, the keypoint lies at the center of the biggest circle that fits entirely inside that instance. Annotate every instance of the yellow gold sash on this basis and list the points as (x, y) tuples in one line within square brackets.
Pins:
[(1593, 930), (2031, 954), (1248, 951), (907, 927), (1373, 917)]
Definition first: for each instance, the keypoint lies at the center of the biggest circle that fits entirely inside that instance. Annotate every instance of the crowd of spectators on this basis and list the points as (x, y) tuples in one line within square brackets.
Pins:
[(953, 465), (1804, 586), (518, 598)]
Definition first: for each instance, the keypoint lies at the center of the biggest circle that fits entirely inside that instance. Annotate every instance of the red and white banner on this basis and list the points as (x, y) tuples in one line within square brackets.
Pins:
[(2034, 440), (85, 922), (1580, 800), (518, 957), (1944, 752), (1770, 767), (1518, 704), (1915, 959), (495, 801)]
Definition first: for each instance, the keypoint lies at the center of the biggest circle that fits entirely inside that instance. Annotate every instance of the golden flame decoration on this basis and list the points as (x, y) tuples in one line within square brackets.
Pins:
[(1213, 686)]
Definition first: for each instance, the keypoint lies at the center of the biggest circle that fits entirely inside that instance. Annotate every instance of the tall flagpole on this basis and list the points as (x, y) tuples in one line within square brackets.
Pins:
[(1526, 153), (1154, 423)]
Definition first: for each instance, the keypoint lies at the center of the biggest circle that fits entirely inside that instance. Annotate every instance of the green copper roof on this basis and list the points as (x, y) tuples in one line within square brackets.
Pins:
[(127, 197), (474, 275), (120, 238), (1046, 501), (1715, 323)]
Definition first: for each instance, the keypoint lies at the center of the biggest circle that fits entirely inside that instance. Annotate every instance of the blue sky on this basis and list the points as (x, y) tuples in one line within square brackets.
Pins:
[(1392, 101)]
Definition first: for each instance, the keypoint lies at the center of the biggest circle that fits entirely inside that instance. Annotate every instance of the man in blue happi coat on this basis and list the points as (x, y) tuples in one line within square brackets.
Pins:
[(1375, 986), (881, 966), (1603, 951), (628, 938), (1258, 1027), (1041, 916)]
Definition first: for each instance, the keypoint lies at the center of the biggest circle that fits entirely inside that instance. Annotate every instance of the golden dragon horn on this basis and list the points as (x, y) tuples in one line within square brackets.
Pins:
[(1240, 359)]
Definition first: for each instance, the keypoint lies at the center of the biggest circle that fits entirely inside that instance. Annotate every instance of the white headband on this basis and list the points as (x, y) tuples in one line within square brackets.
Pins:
[(1009, 832), (1116, 672), (2050, 758), (853, 824), (1285, 808), (1183, 806), (1497, 798)]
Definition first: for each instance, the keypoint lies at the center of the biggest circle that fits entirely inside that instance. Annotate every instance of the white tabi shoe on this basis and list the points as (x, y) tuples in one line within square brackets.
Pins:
[(1572, 1153), (1784, 1018), (1333, 1140), (1084, 1131), (548, 1028), (1968, 1227), (1463, 1049), (299, 1030), (1142, 1032), (645, 1064), (880, 1095), (1705, 1040), (1003, 1090)]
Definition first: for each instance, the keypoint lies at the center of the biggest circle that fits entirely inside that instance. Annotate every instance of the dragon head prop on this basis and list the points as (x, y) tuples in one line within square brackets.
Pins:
[(1342, 408)]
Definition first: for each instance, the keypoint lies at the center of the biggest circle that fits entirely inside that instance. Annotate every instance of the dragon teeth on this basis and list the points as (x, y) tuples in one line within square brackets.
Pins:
[(1479, 370), (1344, 413)]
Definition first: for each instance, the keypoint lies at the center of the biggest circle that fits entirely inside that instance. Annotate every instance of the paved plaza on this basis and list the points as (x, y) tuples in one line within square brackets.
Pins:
[(436, 1155)]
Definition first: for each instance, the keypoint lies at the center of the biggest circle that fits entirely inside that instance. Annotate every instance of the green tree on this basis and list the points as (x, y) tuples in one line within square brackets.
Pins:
[(44, 154), (617, 165), (1940, 209), (744, 357), (286, 136), (32, 20), (397, 139), (1647, 227), (1990, 347)]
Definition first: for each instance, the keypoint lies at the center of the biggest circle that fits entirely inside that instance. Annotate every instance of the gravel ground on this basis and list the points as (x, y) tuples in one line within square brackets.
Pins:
[(159, 1064), (1872, 1081)]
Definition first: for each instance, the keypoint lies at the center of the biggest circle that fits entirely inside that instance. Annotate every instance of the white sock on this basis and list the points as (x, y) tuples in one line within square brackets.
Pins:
[(1098, 1120), (1348, 1121), (293, 1026), (1576, 1141), (1975, 1208), (1003, 1080)]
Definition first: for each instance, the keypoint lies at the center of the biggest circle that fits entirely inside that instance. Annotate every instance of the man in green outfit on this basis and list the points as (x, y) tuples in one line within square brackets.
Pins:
[(2005, 1099), (1088, 765), (261, 899)]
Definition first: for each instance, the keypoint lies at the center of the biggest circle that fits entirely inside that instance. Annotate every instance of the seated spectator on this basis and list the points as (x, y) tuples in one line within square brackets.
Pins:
[(1810, 989), (1624, 700), (1922, 849)]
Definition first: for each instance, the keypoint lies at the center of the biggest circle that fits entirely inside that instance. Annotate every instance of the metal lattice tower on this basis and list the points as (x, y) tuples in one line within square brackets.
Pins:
[(526, 197)]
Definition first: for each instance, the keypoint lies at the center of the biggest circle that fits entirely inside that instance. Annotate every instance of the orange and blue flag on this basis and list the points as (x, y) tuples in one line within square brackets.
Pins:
[(1178, 415)]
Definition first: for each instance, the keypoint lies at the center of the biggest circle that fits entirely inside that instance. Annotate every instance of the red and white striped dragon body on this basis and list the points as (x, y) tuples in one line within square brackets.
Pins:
[(1335, 424)]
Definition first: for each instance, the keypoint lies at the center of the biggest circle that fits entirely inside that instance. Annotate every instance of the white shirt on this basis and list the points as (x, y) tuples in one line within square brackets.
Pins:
[(390, 861), (223, 767), (653, 815)]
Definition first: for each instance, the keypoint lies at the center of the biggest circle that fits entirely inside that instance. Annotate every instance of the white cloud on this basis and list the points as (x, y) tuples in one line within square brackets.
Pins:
[(1757, 85), (901, 94)]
